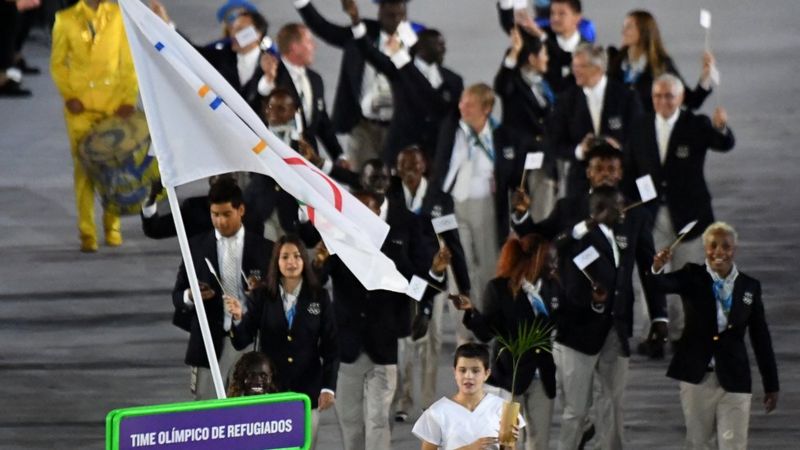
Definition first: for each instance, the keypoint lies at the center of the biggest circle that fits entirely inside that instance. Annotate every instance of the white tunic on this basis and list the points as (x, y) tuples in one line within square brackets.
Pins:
[(450, 425)]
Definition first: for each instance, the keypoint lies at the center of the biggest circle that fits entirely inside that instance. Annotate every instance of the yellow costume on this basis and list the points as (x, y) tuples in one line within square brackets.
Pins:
[(91, 62)]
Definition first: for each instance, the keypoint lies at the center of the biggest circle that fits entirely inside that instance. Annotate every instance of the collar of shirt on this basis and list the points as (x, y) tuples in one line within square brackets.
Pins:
[(532, 288), (728, 281), (289, 299), (598, 90), (238, 237), (636, 66), (384, 209), (669, 122), (485, 135), (531, 77), (431, 72), (569, 44), (414, 202), (294, 71), (246, 64), (383, 38)]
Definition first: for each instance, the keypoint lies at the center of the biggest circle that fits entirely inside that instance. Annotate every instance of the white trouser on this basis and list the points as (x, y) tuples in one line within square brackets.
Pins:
[(477, 229), (201, 376), (576, 374), (715, 419), (364, 393)]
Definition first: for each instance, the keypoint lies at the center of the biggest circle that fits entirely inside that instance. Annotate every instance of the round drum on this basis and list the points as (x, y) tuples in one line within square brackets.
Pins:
[(114, 154)]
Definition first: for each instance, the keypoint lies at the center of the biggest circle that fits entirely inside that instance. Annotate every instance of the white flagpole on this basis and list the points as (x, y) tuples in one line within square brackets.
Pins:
[(216, 376)]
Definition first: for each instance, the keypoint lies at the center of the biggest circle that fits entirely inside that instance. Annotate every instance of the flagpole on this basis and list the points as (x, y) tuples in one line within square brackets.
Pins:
[(216, 376)]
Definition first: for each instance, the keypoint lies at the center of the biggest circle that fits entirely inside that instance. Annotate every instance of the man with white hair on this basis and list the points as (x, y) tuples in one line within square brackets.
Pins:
[(670, 145), (711, 357), (596, 106)]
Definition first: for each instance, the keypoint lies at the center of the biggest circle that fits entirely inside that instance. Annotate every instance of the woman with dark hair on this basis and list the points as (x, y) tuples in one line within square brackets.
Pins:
[(293, 318), (525, 292), (253, 374), (643, 58)]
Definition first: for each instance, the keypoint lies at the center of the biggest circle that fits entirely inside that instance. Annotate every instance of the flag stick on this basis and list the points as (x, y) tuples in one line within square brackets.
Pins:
[(632, 205), (677, 241), (522, 181), (591, 280), (219, 387)]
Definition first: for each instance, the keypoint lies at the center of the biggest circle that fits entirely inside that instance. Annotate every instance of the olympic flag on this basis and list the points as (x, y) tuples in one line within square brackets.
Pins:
[(200, 126)]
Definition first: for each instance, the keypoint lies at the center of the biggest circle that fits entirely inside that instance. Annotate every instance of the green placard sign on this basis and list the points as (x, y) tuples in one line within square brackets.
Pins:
[(261, 422)]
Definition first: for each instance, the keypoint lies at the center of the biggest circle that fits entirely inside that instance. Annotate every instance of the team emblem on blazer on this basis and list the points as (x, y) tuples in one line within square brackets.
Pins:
[(615, 123), (682, 151), (397, 241), (622, 242), (748, 298), (554, 303), (436, 211), (320, 104), (314, 309), (565, 70), (508, 153), (447, 96)]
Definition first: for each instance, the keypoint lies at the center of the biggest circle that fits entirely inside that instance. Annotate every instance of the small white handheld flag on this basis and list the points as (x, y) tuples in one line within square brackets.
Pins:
[(406, 34), (647, 190), (687, 228), (444, 223), (246, 36), (705, 18), (586, 257), (534, 160), (416, 287)]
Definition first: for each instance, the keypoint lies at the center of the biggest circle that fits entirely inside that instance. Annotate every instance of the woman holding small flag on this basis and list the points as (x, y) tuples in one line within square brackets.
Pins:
[(710, 361), (293, 319), (525, 293)]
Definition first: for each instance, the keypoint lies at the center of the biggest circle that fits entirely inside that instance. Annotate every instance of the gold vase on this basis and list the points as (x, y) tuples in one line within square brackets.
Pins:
[(508, 420)]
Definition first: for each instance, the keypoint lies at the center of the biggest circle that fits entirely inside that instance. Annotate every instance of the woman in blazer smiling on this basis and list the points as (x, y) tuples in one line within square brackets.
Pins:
[(293, 317)]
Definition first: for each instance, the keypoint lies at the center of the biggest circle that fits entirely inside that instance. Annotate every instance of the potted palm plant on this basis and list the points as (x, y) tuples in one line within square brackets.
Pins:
[(531, 336)]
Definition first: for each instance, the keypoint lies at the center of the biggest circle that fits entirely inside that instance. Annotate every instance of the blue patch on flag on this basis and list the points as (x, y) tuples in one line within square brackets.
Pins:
[(159, 46), (215, 104)]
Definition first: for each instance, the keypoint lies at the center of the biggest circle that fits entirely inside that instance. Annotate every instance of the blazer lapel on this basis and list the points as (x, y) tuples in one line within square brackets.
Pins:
[(740, 302), (600, 241), (674, 138)]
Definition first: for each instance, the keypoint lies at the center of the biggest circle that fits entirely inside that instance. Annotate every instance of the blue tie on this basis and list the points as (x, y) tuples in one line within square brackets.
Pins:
[(724, 301), (548, 92), (538, 305), (290, 314)]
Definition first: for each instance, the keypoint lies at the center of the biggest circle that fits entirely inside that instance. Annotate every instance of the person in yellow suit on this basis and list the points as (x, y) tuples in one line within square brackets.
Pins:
[(92, 67)]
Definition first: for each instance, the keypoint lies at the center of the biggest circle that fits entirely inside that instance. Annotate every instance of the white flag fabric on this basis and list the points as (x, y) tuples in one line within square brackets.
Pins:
[(200, 126)]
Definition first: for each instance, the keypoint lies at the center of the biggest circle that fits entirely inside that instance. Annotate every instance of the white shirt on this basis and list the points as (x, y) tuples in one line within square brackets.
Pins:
[(727, 290), (246, 64), (303, 87), (580, 229), (594, 99), (234, 244), (289, 299), (569, 44), (471, 171), (376, 92), (414, 202), (384, 214), (449, 425), (430, 71), (664, 129)]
